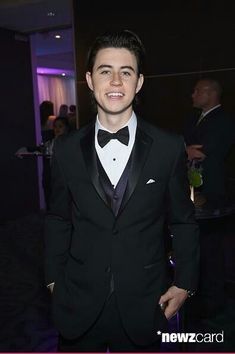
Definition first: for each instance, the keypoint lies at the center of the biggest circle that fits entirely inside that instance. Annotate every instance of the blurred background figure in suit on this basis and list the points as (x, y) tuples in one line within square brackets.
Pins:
[(63, 110), (47, 117), (209, 134), (72, 116), (60, 127)]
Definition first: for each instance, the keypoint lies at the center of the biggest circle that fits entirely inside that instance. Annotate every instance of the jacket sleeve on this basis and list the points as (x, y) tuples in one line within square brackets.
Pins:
[(58, 224), (182, 224)]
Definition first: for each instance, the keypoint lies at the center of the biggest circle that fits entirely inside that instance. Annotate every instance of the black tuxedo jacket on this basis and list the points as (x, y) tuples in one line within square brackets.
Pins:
[(216, 132), (84, 240)]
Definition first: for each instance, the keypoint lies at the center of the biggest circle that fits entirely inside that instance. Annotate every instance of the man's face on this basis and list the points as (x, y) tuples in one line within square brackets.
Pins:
[(201, 95), (114, 80), (59, 128)]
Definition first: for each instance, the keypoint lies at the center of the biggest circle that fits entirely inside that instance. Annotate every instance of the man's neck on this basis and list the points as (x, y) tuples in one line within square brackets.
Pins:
[(114, 122)]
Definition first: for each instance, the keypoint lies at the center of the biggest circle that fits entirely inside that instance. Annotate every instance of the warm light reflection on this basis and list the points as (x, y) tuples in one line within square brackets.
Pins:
[(192, 193)]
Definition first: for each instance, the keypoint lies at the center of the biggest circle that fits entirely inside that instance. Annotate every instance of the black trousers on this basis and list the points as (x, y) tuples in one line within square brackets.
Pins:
[(106, 334)]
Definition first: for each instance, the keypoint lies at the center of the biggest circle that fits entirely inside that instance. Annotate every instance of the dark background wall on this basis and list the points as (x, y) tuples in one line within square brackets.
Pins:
[(18, 178), (184, 40)]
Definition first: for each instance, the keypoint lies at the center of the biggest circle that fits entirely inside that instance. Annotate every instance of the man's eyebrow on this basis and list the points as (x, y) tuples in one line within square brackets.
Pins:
[(128, 67), (102, 66)]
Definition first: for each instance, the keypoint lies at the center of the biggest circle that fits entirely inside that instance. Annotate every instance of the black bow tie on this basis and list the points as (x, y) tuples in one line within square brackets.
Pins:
[(104, 137)]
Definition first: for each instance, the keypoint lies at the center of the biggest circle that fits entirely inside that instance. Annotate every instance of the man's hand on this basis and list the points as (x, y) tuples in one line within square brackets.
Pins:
[(194, 152), (173, 299)]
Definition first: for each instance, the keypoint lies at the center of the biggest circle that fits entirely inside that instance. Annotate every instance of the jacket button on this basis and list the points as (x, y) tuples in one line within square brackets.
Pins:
[(115, 231)]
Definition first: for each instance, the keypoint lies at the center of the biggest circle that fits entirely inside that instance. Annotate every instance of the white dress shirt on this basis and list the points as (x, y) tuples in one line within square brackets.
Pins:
[(115, 155)]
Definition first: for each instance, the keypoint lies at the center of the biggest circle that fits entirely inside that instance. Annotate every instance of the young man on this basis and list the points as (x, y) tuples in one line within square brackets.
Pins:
[(115, 182)]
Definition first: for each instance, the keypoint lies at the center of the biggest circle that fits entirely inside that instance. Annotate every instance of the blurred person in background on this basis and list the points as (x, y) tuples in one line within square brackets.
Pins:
[(63, 111), (60, 127), (209, 134), (46, 116), (72, 117)]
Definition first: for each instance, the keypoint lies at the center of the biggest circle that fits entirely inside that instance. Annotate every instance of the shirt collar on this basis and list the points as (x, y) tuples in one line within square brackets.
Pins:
[(212, 109)]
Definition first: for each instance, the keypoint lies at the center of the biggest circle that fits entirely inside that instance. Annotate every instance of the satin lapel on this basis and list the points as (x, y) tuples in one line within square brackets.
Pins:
[(90, 159), (140, 151)]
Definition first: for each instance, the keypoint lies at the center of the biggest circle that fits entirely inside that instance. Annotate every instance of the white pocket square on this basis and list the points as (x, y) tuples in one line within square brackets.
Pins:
[(151, 181)]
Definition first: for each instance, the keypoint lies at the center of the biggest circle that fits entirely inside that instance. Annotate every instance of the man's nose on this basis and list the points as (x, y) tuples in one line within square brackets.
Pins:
[(116, 79)]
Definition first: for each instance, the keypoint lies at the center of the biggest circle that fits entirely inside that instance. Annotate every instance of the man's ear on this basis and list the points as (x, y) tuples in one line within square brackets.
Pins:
[(139, 83), (89, 80)]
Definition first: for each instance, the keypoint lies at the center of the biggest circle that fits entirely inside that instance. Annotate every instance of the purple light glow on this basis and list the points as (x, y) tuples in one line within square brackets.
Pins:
[(54, 71)]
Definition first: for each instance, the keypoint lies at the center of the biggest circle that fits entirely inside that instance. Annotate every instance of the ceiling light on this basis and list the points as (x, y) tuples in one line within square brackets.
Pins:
[(55, 71), (57, 36)]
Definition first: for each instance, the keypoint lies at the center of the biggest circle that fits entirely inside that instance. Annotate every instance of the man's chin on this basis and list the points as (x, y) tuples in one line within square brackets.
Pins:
[(115, 112)]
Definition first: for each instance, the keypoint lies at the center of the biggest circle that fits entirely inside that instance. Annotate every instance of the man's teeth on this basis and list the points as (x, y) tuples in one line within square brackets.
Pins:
[(116, 94)]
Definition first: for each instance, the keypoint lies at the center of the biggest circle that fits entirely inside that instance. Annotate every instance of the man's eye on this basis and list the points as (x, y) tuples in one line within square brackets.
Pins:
[(105, 72), (126, 73)]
